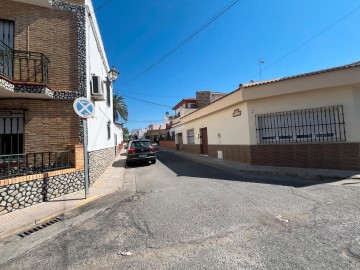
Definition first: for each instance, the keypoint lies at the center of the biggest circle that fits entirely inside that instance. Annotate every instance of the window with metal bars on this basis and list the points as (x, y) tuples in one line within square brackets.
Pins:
[(190, 136), (324, 124), (108, 128), (11, 132), (108, 92)]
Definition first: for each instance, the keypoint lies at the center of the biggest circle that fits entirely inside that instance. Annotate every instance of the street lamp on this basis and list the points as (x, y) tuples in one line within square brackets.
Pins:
[(113, 74)]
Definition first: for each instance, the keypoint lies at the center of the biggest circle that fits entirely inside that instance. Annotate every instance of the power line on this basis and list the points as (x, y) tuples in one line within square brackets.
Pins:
[(186, 40), (162, 70), (145, 121), (102, 5), (145, 94), (312, 38), (138, 99)]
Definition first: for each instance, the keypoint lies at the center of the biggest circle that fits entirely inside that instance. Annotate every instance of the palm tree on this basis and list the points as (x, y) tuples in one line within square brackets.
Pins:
[(120, 108)]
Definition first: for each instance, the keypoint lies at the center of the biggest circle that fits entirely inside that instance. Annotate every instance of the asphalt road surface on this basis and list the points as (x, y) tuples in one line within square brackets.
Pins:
[(187, 215)]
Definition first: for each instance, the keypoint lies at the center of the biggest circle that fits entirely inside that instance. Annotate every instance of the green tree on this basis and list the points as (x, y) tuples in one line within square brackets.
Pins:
[(120, 108), (126, 133)]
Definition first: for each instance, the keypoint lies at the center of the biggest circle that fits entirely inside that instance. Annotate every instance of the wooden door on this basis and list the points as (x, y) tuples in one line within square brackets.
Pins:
[(179, 141), (204, 142)]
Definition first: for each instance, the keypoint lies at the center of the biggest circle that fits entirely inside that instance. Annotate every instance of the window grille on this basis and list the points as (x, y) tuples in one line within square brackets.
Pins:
[(108, 92), (108, 126), (324, 124), (11, 132), (190, 136), (7, 32)]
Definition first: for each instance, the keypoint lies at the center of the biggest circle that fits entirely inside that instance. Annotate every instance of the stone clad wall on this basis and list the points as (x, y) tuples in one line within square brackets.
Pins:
[(98, 161), (21, 195), (203, 98)]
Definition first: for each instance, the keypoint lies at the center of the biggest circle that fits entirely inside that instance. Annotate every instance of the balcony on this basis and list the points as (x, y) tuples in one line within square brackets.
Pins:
[(40, 3), (23, 66)]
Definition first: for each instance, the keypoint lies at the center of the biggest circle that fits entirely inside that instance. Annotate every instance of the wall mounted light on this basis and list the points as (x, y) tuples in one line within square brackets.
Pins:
[(113, 74)]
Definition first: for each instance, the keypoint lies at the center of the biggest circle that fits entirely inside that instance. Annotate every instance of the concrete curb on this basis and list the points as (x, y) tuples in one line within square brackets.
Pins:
[(83, 202), (279, 171)]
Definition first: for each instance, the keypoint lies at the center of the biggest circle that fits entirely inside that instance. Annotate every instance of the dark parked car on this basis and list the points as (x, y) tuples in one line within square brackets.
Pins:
[(140, 150)]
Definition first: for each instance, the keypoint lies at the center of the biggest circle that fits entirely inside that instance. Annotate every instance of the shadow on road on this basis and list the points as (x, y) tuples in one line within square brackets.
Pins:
[(189, 168), (119, 163)]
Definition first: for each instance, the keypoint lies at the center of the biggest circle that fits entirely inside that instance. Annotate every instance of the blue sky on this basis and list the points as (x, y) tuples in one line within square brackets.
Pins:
[(138, 33)]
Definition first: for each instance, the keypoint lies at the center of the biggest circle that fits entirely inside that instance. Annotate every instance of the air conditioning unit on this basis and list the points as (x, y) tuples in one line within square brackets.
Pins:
[(97, 88)]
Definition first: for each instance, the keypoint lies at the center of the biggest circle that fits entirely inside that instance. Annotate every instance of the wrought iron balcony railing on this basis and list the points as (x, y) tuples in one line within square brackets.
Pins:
[(23, 66), (33, 163)]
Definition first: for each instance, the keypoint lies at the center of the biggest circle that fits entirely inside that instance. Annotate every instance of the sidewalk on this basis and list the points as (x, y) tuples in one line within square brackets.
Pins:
[(110, 181), (319, 174)]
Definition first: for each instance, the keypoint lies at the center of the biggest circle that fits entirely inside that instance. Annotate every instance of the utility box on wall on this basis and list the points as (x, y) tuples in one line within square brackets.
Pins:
[(220, 154)]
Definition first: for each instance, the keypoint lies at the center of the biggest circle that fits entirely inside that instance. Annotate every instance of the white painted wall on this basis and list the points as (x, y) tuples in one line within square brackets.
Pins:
[(97, 64), (118, 135)]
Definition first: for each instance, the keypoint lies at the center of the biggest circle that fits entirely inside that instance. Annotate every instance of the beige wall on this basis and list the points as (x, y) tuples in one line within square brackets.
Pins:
[(340, 87), (233, 130), (241, 130), (306, 100), (338, 78)]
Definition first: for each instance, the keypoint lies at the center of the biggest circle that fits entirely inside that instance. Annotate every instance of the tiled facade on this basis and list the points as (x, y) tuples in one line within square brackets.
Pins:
[(344, 156), (238, 153), (191, 148)]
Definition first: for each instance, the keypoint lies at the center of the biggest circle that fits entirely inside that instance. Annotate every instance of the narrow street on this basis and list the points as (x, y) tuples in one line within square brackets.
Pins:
[(187, 215)]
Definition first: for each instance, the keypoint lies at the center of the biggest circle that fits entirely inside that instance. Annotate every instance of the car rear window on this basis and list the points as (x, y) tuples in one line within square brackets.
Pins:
[(136, 145)]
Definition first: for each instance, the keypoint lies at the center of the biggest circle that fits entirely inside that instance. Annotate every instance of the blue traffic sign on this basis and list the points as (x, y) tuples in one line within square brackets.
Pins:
[(84, 107)]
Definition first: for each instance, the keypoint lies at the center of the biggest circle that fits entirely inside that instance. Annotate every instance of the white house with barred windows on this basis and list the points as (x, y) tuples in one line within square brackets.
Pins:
[(308, 120)]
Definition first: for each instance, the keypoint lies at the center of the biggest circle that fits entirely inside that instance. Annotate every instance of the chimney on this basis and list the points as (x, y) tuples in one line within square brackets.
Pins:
[(203, 98)]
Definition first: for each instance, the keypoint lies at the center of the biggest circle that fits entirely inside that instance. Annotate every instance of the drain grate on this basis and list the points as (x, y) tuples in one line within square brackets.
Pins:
[(40, 227)]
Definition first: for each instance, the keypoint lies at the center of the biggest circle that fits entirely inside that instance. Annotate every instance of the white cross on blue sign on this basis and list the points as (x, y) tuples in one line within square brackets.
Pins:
[(84, 107)]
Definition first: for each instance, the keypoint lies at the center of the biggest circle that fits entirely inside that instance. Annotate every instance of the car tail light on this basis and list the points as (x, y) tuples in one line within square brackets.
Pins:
[(152, 149), (131, 151)]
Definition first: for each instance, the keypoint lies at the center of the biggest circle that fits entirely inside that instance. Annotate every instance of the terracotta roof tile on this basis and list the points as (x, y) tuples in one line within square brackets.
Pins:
[(355, 64)]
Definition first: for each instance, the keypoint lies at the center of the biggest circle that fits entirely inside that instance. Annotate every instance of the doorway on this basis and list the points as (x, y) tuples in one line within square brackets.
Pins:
[(204, 147), (179, 145)]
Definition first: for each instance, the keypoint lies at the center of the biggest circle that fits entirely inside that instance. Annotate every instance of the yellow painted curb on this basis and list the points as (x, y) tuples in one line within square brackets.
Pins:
[(86, 201)]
